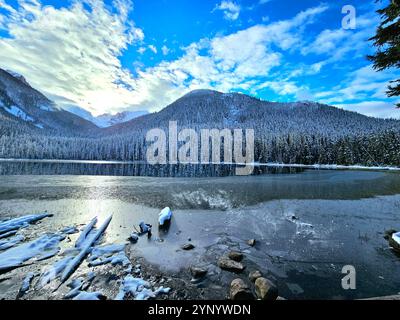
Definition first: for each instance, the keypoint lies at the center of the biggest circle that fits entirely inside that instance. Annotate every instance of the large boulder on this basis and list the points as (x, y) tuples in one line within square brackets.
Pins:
[(164, 217), (265, 289), (388, 233), (254, 275), (198, 272), (235, 255), (227, 264), (394, 239), (240, 291)]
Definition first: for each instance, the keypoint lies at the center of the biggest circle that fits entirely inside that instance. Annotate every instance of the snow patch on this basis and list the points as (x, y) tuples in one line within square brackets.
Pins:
[(6, 244), (396, 237), (52, 272), (86, 247), (26, 283), (139, 289), (113, 253), (21, 222), (17, 112), (164, 215), (40, 249), (83, 295)]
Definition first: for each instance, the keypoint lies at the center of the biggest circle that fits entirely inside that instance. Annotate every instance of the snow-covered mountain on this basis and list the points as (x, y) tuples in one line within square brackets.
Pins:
[(21, 103), (298, 132), (212, 109), (107, 119)]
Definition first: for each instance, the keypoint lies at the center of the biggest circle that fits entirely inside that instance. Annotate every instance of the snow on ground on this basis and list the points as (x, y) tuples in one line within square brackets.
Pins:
[(17, 112), (76, 286), (52, 272), (26, 283), (9, 243), (164, 215), (84, 236), (113, 253), (327, 166), (396, 237), (138, 288), (42, 248), (8, 234), (83, 295), (85, 247), (21, 222)]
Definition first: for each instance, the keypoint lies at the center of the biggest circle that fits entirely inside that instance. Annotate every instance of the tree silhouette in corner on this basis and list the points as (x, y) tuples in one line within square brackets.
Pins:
[(387, 41)]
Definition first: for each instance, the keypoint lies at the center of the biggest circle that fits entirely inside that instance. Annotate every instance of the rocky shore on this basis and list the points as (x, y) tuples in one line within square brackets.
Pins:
[(75, 263)]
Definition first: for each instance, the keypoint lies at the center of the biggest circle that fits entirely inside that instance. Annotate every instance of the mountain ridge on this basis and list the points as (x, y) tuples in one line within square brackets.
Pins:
[(23, 103), (296, 132)]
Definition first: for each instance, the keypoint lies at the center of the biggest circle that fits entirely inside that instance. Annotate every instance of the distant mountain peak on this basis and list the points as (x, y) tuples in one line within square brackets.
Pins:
[(18, 76), (200, 92), (27, 106), (106, 120)]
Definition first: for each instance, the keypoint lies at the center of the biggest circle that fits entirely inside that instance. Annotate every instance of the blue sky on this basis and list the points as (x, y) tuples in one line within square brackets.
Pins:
[(121, 55)]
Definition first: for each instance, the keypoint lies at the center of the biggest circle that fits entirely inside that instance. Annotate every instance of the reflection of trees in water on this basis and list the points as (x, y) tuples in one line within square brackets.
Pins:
[(139, 169)]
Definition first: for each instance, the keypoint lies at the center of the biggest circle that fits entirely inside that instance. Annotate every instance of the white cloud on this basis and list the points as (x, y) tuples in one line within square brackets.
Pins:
[(363, 83), (231, 9), (265, 19), (72, 52), (153, 48), (337, 43), (73, 56), (379, 109), (141, 50), (165, 50)]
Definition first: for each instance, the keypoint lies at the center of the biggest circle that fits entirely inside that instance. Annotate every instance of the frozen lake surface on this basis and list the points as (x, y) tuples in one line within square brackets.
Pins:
[(308, 224)]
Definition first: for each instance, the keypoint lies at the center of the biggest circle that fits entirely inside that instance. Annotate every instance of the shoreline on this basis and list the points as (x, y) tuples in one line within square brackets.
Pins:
[(255, 164)]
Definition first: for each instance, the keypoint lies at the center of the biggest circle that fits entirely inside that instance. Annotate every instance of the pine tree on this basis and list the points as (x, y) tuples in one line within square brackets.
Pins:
[(387, 41)]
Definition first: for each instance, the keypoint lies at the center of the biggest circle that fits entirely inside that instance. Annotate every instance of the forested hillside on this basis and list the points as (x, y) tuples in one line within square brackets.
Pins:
[(302, 132)]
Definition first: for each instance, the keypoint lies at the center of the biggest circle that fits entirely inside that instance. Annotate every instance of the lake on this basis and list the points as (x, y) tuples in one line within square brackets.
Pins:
[(308, 223)]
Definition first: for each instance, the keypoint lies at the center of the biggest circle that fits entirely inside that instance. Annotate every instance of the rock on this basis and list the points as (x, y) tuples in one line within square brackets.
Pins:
[(394, 245), (265, 289), (164, 216), (134, 237), (240, 291), (251, 242), (254, 275), (198, 272), (145, 227), (235, 255), (187, 246), (388, 233), (230, 265)]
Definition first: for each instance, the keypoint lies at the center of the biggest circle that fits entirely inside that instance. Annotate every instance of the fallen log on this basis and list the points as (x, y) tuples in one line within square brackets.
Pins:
[(74, 264)]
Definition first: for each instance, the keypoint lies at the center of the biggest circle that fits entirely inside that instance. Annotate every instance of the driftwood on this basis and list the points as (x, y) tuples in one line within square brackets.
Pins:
[(17, 223), (82, 237), (85, 250)]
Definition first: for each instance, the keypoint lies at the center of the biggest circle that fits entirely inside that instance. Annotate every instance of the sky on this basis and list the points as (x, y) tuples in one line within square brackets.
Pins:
[(121, 55)]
